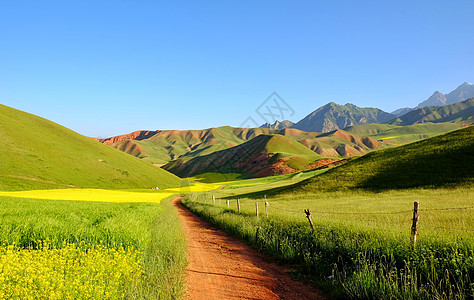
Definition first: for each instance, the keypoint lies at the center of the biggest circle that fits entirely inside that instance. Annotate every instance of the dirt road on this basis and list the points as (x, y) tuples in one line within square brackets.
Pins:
[(222, 267)]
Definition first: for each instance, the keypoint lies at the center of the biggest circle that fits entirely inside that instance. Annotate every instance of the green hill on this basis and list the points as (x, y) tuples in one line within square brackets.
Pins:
[(263, 155), (39, 154), (161, 147), (442, 161), (167, 145), (459, 112)]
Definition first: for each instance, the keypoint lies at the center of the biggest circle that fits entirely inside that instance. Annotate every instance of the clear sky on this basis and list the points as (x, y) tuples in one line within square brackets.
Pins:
[(105, 68)]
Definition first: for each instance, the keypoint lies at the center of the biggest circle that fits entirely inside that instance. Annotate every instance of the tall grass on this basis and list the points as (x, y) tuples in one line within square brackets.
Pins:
[(352, 261), (152, 230)]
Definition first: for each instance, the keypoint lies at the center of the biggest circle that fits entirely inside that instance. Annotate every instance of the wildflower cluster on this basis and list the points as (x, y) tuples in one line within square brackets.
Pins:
[(69, 272)]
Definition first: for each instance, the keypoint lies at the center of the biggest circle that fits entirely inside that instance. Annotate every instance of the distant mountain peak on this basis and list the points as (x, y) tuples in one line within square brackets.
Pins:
[(333, 116), (461, 93), (278, 125)]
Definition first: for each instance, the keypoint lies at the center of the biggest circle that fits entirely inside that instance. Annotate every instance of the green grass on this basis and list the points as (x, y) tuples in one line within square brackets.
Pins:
[(445, 160), (39, 154), (358, 249), (400, 135), (151, 228), (361, 247)]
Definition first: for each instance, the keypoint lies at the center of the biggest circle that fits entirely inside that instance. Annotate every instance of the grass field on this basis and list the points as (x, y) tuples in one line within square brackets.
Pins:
[(92, 243), (109, 250), (361, 247)]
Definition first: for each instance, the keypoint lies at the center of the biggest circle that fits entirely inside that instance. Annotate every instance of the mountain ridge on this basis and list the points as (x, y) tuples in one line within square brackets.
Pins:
[(460, 111), (333, 116)]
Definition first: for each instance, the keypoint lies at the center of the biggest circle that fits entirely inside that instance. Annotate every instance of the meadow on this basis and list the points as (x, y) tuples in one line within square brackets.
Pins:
[(360, 247), (362, 212), (99, 244)]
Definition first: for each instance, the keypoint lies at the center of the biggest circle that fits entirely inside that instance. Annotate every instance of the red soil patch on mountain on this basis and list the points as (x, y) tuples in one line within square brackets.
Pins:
[(137, 135), (277, 168)]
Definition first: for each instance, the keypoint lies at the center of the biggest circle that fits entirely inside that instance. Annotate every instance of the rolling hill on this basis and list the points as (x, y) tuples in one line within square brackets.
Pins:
[(39, 154), (168, 145), (442, 161), (162, 147), (459, 112), (262, 156)]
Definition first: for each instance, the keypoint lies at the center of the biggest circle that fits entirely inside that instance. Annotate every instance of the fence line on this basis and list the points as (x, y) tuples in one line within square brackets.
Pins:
[(448, 228), (367, 213), (450, 208), (372, 213)]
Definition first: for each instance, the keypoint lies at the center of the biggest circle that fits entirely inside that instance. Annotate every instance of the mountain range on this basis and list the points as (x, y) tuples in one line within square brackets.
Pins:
[(333, 116), (161, 147), (461, 93), (460, 111), (330, 133)]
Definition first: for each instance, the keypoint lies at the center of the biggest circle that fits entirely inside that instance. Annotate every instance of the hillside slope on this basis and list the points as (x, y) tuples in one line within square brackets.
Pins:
[(394, 135), (262, 156), (167, 145), (164, 146), (333, 116), (460, 112), (39, 154), (442, 161)]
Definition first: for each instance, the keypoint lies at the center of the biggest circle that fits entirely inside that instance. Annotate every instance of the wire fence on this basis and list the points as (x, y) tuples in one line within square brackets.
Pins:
[(274, 209)]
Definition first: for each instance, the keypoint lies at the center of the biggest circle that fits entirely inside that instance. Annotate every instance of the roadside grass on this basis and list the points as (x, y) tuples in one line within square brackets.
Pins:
[(145, 237), (359, 249)]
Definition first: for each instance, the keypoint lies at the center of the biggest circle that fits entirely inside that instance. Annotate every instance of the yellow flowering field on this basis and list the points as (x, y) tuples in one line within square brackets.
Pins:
[(116, 196), (75, 263), (70, 272), (91, 195)]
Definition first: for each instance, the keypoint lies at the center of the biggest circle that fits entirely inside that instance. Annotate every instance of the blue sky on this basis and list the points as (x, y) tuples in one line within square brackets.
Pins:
[(105, 68)]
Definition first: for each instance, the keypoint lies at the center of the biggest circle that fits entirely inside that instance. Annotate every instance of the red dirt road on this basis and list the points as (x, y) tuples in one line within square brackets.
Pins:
[(222, 267)]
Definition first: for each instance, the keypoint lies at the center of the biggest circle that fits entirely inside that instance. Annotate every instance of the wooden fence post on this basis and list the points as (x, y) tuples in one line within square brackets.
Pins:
[(266, 211), (238, 205), (308, 215), (256, 208), (414, 225)]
